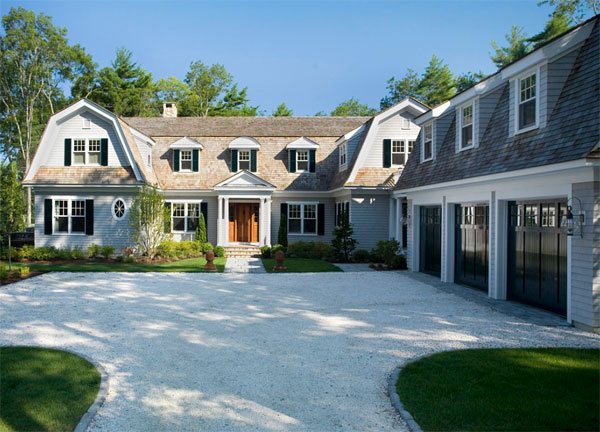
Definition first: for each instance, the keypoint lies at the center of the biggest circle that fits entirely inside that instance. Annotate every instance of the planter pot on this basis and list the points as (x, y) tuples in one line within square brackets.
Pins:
[(210, 265), (279, 258)]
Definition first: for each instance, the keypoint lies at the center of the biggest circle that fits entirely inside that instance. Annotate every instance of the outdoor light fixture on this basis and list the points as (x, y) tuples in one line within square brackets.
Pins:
[(573, 222)]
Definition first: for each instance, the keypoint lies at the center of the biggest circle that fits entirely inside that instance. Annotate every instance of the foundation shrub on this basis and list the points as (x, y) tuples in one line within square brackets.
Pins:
[(310, 250)]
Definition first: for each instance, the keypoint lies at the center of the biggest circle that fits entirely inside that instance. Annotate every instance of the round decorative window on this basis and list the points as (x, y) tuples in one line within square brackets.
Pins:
[(118, 208)]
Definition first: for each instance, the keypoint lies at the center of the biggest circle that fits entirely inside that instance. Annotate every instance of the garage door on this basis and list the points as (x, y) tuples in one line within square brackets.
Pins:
[(431, 240), (537, 255), (471, 241)]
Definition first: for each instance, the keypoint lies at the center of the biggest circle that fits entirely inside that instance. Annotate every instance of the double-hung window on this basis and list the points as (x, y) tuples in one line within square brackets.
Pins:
[(86, 151), (69, 216), (185, 160), (302, 219), (466, 126), (302, 160), (244, 159), (398, 152), (411, 145), (428, 142), (185, 217), (343, 155), (527, 101), (341, 211)]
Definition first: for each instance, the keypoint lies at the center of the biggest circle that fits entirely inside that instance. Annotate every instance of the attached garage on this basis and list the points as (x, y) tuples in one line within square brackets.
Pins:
[(537, 255), (431, 240), (471, 256)]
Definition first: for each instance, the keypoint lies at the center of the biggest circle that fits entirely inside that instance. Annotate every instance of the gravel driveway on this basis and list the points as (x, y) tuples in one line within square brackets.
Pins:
[(232, 352)]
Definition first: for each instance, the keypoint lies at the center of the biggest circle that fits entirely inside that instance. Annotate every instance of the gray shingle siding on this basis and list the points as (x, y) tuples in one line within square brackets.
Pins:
[(571, 132)]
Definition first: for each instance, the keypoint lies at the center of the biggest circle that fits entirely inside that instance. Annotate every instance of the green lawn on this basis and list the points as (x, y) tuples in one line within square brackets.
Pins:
[(302, 265), (186, 265), (44, 389), (504, 390)]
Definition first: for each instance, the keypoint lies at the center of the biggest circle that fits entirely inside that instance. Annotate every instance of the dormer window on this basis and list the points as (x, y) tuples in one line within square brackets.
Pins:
[(185, 160), (243, 160), (343, 155), (86, 152), (302, 160), (427, 153), (527, 102), (398, 152), (186, 155), (466, 127)]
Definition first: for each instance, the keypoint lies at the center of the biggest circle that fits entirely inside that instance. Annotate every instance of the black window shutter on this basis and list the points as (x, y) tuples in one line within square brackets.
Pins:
[(67, 152), (292, 161), (48, 216), (284, 207), (347, 211), (387, 153), (312, 160), (89, 217), (253, 160), (204, 210), (104, 151), (234, 161), (168, 219), (321, 219), (195, 160), (176, 160)]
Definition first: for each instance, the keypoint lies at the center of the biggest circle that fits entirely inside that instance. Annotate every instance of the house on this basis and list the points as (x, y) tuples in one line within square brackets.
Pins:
[(245, 174), (503, 189)]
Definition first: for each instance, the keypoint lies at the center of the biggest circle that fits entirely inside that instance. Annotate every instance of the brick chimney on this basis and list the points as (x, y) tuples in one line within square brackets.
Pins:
[(169, 109)]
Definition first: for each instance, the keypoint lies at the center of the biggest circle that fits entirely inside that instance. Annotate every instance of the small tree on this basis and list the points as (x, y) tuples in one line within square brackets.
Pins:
[(343, 243), (12, 205), (282, 237), (148, 218), (201, 230)]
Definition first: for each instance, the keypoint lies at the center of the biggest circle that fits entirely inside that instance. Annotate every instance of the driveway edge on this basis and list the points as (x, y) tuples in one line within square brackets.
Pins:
[(87, 417), (413, 426)]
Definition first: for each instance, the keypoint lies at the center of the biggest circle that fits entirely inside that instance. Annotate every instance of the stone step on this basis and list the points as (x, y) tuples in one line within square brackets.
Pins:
[(242, 251)]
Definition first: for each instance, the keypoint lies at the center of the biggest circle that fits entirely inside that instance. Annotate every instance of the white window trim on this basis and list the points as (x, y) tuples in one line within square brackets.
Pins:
[(86, 152), (69, 200), (239, 153), (298, 151), (302, 204), (185, 212), (181, 161), (517, 82), (112, 209), (432, 142), (405, 152), (343, 149), (460, 126)]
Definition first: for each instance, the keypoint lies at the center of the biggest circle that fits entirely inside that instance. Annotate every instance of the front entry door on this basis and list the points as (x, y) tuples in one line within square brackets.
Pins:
[(243, 222), (431, 240), (471, 240)]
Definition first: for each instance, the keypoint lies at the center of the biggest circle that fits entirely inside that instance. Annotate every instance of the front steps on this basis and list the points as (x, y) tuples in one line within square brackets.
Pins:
[(242, 251)]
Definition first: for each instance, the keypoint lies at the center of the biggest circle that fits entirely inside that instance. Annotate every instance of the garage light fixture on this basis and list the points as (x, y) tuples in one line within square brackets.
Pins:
[(573, 221)]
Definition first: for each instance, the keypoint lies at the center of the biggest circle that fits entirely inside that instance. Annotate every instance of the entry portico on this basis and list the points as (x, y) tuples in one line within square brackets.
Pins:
[(244, 210)]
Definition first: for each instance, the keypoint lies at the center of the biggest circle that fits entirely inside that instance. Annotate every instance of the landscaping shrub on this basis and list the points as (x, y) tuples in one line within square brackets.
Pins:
[(277, 247), (26, 252), (361, 255), (3, 273), (343, 243), (282, 234), (265, 251), (399, 262), (128, 251), (44, 253), (385, 251), (63, 254), (205, 247), (219, 251), (201, 230), (24, 271), (93, 250), (107, 251), (167, 249), (310, 250), (188, 249), (77, 253)]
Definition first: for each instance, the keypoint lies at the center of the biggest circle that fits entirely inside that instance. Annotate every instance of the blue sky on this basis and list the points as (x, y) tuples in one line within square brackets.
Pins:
[(310, 54)]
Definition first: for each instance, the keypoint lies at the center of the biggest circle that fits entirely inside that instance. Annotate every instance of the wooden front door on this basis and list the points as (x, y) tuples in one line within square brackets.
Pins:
[(243, 222)]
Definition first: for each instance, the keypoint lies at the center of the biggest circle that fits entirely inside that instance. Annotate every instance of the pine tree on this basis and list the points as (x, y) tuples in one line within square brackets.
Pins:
[(518, 46), (437, 84), (282, 111), (352, 107), (201, 230), (282, 234), (343, 243)]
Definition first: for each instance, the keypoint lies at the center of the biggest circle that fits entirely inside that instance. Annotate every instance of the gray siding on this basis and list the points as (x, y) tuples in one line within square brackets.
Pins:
[(389, 128), (409, 235), (487, 104), (440, 129), (543, 97), (558, 72), (276, 217), (352, 144), (369, 217), (107, 229), (73, 128), (145, 151), (211, 222)]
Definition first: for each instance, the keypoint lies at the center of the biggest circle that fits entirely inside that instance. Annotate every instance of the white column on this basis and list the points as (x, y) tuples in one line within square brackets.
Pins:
[(399, 221), (268, 221), (226, 221), (261, 221), (220, 220), (391, 220)]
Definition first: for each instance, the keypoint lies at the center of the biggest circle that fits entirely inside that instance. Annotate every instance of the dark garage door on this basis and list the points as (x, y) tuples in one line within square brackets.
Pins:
[(431, 240), (537, 255), (471, 241)]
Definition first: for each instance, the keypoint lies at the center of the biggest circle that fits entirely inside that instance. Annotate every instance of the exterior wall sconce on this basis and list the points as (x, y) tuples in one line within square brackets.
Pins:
[(572, 220)]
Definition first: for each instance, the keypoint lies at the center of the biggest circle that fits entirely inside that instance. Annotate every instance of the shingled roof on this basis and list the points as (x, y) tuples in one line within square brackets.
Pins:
[(245, 126), (572, 132)]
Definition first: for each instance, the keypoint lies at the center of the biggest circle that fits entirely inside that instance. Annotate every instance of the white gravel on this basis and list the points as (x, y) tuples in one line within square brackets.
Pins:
[(232, 352)]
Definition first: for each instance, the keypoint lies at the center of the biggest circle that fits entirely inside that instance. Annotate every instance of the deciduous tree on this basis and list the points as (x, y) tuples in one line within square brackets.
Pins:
[(352, 107), (148, 218), (12, 204)]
